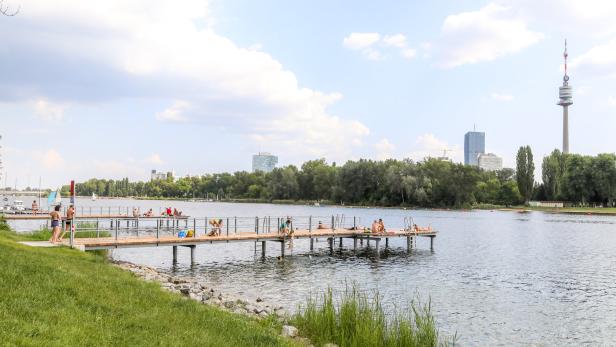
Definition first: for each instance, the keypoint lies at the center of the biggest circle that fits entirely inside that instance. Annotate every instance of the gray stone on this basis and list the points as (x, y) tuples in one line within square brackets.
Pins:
[(289, 331), (229, 304), (259, 300)]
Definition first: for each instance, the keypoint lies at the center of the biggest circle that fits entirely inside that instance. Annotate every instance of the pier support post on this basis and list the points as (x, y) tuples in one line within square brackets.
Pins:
[(387, 242), (431, 243), (192, 254), (175, 254), (282, 247), (330, 240), (355, 244), (377, 241), (263, 248), (311, 244), (341, 242), (409, 243)]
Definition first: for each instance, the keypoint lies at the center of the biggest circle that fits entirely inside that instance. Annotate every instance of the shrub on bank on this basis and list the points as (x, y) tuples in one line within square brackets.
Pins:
[(355, 320)]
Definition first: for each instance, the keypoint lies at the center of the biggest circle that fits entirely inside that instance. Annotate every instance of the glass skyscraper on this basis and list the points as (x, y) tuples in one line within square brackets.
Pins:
[(264, 162), (474, 145)]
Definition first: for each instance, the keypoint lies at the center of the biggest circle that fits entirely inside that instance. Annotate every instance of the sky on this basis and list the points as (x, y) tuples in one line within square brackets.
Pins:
[(122, 87)]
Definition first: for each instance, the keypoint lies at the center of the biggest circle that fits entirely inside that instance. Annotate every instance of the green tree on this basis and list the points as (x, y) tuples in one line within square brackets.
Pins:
[(551, 174), (525, 172)]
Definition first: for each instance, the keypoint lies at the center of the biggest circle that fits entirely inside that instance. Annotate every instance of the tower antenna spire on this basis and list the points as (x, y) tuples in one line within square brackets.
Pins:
[(565, 55)]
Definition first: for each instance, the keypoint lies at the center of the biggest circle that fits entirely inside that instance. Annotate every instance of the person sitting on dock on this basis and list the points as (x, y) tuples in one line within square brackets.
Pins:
[(135, 212), (375, 226), (216, 225), (381, 226)]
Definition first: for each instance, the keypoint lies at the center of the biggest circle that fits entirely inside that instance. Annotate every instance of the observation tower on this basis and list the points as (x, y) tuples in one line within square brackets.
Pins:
[(565, 92)]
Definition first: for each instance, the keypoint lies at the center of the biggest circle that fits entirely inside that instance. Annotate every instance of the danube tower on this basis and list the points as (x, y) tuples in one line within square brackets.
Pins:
[(566, 99)]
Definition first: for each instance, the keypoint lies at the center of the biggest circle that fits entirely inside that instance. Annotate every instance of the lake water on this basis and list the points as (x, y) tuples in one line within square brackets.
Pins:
[(495, 278)]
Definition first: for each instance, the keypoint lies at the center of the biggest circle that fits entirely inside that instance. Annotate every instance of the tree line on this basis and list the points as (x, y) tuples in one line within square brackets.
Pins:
[(573, 178), (428, 183)]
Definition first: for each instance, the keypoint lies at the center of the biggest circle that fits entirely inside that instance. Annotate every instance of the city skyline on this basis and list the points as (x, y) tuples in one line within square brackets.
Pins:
[(355, 87)]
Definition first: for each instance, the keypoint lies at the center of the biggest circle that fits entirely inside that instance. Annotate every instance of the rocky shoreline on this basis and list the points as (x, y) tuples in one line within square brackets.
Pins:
[(203, 293)]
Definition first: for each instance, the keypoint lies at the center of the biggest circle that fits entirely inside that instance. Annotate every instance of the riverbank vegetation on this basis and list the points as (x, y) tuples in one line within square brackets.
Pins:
[(430, 183), (580, 179), (575, 179), (64, 297), (354, 319)]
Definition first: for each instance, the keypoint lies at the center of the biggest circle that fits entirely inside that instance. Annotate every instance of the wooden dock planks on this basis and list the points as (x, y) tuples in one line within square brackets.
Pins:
[(168, 240)]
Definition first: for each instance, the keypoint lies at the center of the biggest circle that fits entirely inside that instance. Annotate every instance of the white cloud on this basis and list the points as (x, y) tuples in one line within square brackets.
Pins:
[(154, 51), (154, 159), (384, 149), (174, 113), (501, 97), (428, 145), (599, 60), (358, 41), (482, 35), (397, 40), (48, 111), (371, 45), (49, 159), (408, 53), (612, 101)]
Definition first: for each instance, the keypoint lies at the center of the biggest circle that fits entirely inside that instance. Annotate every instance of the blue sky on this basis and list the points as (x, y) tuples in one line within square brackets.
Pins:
[(123, 87)]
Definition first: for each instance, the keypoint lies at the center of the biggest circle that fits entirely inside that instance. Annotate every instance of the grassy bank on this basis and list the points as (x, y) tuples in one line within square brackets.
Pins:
[(64, 297), (354, 319)]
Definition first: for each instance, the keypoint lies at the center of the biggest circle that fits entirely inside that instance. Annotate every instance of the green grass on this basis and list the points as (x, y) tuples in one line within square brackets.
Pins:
[(64, 297), (355, 320)]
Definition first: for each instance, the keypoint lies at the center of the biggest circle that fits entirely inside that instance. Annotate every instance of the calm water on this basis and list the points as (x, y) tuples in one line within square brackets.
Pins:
[(497, 278)]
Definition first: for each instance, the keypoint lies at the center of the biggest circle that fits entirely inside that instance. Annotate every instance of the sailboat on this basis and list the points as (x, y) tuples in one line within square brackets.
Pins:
[(94, 197), (58, 200), (54, 198)]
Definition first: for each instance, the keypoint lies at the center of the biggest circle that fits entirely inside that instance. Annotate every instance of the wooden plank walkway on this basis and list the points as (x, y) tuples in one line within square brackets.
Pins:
[(169, 240)]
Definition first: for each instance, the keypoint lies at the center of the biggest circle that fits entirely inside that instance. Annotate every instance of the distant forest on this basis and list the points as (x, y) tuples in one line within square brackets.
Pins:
[(579, 180)]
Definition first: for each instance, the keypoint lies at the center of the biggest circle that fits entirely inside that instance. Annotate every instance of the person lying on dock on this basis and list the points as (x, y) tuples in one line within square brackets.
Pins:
[(420, 229)]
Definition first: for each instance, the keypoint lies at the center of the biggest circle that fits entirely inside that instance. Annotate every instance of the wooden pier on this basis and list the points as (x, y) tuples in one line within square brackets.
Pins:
[(113, 232)]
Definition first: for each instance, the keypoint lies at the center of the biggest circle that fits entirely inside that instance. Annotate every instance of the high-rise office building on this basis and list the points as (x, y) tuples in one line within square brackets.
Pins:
[(155, 175), (474, 145), (264, 161), (565, 92), (490, 162)]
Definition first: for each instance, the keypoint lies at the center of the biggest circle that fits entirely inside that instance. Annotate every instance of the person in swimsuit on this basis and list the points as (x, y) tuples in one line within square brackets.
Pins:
[(55, 224), (70, 215)]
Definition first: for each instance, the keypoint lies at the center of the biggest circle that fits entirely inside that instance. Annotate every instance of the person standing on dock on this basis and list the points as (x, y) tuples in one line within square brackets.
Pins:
[(70, 216), (34, 207), (55, 224)]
